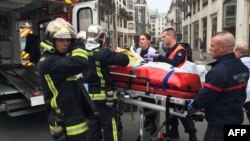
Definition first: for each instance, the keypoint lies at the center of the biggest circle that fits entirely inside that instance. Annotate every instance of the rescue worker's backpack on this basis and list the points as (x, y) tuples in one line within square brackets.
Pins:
[(189, 51)]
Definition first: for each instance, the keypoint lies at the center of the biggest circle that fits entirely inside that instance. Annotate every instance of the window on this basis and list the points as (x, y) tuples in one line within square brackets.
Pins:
[(125, 23), (196, 34), (85, 19), (185, 34), (130, 4), (131, 26), (214, 26), (229, 14), (198, 5), (231, 10), (204, 2), (194, 7), (204, 30)]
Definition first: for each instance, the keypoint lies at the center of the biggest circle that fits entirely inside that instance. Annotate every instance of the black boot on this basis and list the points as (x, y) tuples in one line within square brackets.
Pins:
[(192, 137)]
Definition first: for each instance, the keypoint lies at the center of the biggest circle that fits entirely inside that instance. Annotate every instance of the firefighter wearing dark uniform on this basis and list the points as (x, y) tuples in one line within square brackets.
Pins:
[(224, 91), (176, 55), (62, 89), (100, 85)]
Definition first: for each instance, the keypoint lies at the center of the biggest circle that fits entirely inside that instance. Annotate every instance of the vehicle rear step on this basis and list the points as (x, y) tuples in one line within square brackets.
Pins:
[(20, 107)]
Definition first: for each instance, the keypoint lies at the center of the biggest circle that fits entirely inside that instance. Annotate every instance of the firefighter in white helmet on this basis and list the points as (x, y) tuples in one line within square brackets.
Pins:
[(82, 36), (63, 93), (100, 86)]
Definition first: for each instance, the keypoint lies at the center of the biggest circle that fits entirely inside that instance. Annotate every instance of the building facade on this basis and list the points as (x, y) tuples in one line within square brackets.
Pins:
[(174, 18), (204, 18), (141, 19), (117, 17)]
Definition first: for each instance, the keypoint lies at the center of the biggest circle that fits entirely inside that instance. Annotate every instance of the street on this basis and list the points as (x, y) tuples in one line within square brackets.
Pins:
[(34, 127)]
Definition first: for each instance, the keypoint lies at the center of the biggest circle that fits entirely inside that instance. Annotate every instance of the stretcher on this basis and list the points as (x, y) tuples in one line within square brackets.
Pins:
[(133, 84)]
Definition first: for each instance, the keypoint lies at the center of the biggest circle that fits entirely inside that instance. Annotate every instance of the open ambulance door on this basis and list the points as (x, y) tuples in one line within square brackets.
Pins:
[(85, 14)]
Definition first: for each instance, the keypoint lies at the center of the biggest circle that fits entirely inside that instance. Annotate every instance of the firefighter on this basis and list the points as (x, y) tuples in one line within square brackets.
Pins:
[(224, 92), (176, 55), (62, 90), (98, 82)]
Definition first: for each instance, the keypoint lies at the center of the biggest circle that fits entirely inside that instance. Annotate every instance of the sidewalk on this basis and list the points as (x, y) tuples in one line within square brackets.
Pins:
[(196, 57)]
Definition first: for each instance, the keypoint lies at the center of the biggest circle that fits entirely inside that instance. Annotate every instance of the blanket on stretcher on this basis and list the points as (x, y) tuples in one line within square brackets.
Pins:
[(161, 81)]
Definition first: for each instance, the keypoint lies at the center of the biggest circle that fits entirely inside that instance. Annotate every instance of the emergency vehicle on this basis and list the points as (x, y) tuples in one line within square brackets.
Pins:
[(20, 91)]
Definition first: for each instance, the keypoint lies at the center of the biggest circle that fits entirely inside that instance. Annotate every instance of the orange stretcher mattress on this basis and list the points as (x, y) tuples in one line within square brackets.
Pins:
[(179, 81), (165, 92)]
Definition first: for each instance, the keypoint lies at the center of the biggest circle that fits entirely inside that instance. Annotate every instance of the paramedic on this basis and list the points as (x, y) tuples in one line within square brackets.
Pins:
[(224, 92), (100, 86), (145, 46), (147, 49), (62, 90), (176, 55), (241, 51)]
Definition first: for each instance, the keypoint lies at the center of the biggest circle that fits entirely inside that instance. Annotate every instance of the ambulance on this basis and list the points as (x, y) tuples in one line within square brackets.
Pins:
[(22, 27)]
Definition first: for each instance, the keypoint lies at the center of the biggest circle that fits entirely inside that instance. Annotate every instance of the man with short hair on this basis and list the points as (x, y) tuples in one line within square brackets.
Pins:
[(176, 55), (241, 51), (224, 91)]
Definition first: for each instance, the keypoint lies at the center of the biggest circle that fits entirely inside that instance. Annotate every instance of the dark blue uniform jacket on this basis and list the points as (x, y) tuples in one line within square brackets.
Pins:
[(224, 91)]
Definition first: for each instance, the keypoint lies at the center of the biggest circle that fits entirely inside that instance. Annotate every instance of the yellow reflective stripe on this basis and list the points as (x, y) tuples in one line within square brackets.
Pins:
[(101, 96), (98, 96), (51, 128), (76, 129), (102, 82), (72, 78), (99, 74), (42, 59), (80, 52), (115, 95), (97, 63), (97, 50), (54, 91), (115, 132)]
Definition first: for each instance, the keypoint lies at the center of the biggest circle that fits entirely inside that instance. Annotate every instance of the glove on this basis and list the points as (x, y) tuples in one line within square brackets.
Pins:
[(155, 55), (150, 57), (190, 105), (146, 60)]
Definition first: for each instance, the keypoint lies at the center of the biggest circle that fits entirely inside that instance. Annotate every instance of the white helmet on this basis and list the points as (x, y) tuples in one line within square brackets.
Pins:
[(59, 29), (96, 37), (81, 35)]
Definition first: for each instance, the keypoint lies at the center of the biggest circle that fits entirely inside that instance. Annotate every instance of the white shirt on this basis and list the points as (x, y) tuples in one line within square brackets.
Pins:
[(151, 50), (246, 61)]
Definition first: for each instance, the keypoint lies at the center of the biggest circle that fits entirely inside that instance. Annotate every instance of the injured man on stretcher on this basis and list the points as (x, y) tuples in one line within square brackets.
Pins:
[(159, 81)]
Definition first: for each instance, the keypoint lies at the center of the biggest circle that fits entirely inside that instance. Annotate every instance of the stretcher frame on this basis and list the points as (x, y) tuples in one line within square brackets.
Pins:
[(133, 97)]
